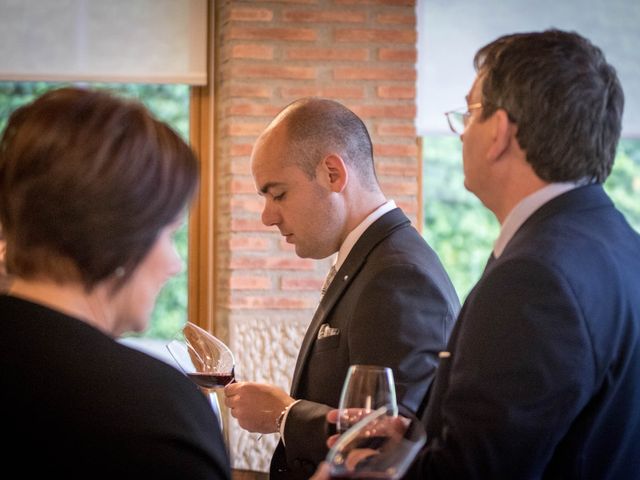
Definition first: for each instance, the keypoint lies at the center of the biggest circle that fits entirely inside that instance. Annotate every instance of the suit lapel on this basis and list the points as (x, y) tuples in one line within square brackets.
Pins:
[(378, 230)]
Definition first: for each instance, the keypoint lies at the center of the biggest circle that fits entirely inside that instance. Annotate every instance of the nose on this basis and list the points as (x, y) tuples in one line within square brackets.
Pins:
[(270, 214)]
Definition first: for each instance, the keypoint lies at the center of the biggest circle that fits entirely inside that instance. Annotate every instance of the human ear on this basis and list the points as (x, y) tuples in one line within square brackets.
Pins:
[(334, 172), (502, 133)]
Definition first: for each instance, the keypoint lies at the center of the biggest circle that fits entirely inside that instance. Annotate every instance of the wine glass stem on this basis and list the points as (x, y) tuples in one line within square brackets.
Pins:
[(216, 396)]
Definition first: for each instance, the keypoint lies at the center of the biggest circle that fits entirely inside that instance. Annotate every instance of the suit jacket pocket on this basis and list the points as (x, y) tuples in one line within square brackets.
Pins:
[(327, 343)]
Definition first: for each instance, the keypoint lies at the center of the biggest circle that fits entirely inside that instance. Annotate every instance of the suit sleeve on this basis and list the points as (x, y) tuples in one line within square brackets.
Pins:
[(522, 368), (401, 320)]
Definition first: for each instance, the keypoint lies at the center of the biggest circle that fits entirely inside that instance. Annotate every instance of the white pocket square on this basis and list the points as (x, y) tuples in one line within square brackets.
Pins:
[(327, 331)]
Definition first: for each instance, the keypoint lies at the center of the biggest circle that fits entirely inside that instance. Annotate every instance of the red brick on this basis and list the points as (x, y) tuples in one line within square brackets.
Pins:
[(242, 129), (246, 205), (257, 91), (240, 166), (243, 185), (395, 3), (256, 52), (249, 282), (303, 283), (290, 34), (272, 303), (410, 208), (369, 35), (396, 19), (271, 263), (253, 110), (243, 242), (385, 111), (323, 16), (305, 2), (401, 170), (241, 149), (398, 54), (273, 71), (359, 73), (322, 91), (396, 130), (246, 14), (393, 150), (397, 187), (312, 53), (248, 225), (395, 91)]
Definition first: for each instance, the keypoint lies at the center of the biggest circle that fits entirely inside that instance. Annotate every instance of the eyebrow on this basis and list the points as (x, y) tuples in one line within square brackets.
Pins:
[(269, 185)]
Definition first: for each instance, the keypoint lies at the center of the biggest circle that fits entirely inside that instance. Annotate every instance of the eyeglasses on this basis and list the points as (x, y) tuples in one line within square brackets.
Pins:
[(459, 118)]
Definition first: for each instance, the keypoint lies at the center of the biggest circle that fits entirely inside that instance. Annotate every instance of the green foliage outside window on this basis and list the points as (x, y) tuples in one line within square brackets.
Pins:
[(462, 231), (169, 103)]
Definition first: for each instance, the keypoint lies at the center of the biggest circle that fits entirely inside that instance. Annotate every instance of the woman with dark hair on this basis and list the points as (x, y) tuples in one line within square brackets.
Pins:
[(92, 188)]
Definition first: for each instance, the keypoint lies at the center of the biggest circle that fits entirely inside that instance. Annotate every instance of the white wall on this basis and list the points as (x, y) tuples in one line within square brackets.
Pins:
[(451, 31)]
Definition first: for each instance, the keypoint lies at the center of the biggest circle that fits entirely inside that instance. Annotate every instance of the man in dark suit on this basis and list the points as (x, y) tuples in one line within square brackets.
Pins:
[(390, 303), (543, 377)]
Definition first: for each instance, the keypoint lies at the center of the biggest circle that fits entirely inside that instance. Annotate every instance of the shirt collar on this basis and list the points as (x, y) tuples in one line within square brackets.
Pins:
[(357, 232), (525, 208)]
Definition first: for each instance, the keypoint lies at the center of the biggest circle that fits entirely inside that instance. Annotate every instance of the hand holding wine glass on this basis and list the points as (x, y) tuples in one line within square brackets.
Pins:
[(380, 445), (366, 388)]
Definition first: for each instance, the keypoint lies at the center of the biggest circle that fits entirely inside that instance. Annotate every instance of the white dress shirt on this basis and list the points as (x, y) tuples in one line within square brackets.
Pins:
[(525, 208)]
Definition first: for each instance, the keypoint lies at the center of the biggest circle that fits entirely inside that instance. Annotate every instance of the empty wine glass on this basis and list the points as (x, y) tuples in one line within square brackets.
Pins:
[(380, 445), (366, 388)]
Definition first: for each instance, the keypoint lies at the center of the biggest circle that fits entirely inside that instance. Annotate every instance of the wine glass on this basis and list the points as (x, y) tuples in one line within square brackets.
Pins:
[(366, 388), (203, 357), (209, 363), (380, 445)]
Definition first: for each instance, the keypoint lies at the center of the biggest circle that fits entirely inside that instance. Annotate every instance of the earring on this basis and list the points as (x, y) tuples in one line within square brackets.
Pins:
[(119, 272)]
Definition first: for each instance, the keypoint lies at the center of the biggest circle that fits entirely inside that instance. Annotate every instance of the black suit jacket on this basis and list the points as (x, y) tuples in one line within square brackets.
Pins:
[(393, 305), (77, 404), (544, 375)]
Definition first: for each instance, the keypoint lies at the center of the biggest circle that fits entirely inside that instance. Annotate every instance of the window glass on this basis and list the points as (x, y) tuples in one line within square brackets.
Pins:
[(169, 103), (462, 231)]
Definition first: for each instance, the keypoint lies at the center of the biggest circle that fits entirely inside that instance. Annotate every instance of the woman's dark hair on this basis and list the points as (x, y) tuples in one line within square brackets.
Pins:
[(564, 96), (87, 181)]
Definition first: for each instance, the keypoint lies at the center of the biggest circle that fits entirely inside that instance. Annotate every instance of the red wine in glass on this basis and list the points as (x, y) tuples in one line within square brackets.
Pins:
[(211, 380)]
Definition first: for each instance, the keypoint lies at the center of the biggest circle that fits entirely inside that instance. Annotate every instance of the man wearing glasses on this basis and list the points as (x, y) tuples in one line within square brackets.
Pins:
[(541, 378)]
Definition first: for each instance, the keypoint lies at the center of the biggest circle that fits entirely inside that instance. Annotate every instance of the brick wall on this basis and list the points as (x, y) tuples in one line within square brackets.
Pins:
[(268, 53)]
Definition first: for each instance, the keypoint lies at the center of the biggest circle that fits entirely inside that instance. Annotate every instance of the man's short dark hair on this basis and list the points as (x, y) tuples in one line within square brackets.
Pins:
[(565, 98)]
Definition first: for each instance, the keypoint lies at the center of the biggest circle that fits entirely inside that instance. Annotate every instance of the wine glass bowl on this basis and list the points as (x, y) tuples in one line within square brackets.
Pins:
[(203, 357), (381, 445), (366, 388)]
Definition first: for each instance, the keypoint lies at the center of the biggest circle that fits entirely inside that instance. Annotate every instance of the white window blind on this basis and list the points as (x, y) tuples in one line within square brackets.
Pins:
[(129, 41), (451, 31)]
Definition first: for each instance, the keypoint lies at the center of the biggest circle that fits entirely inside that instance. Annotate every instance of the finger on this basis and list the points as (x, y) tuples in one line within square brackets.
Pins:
[(232, 388), (332, 416), (332, 440)]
